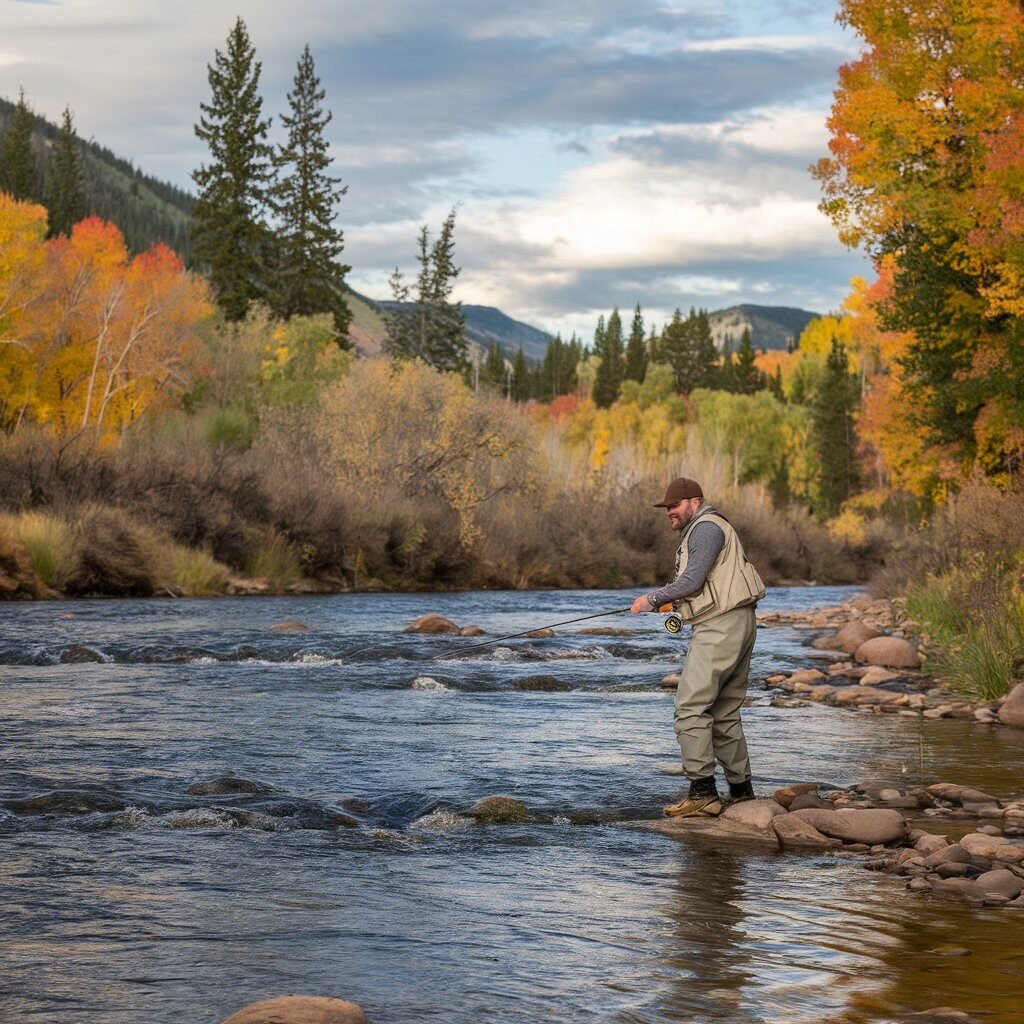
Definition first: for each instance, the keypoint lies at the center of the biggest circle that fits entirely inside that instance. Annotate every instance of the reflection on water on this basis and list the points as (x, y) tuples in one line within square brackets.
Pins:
[(126, 898)]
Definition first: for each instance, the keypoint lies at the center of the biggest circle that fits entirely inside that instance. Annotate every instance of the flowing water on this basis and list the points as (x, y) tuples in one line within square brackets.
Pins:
[(126, 899)]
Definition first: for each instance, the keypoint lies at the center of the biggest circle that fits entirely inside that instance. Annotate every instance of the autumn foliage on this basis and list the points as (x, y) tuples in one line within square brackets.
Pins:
[(90, 337)]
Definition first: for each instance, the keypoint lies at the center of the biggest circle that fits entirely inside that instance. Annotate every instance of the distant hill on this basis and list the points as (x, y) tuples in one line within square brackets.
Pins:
[(771, 327), (146, 209), (484, 326)]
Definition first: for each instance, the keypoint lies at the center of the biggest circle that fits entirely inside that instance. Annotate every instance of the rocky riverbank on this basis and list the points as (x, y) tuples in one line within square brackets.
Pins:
[(978, 855), (873, 659)]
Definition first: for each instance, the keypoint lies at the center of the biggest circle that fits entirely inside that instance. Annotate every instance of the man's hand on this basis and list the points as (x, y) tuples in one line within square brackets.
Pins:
[(641, 604)]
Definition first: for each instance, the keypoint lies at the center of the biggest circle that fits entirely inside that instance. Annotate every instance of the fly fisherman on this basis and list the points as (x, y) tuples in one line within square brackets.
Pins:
[(715, 590)]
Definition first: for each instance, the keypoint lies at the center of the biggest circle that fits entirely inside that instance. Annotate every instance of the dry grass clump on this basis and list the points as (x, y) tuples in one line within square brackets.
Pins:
[(197, 573), (18, 579), (50, 544), (116, 556), (276, 561)]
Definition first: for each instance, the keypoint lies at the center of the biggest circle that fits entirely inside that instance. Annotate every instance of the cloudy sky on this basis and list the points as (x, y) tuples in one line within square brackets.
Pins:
[(602, 153)]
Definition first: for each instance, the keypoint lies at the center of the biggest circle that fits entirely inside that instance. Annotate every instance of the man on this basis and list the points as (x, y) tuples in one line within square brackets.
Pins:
[(715, 590)]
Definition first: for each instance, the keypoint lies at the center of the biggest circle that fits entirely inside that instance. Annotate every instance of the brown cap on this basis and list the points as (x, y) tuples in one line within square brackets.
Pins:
[(679, 490)]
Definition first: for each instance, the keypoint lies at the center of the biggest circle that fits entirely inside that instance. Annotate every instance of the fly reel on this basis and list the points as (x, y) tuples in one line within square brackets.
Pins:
[(674, 623)]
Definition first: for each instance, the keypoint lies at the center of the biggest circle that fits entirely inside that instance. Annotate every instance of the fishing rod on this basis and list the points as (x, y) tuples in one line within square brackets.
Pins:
[(527, 632)]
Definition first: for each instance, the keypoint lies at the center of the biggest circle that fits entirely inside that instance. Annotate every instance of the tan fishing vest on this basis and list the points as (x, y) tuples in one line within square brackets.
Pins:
[(731, 583)]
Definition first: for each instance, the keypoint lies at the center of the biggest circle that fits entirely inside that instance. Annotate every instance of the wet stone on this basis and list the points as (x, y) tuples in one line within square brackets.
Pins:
[(495, 810), (228, 784), (541, 684)]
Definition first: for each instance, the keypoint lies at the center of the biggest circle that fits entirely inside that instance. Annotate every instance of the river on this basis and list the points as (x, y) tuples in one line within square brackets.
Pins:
[(125, 899)]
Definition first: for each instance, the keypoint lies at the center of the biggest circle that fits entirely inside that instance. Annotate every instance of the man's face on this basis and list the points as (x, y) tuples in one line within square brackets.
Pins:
[(682, 512)]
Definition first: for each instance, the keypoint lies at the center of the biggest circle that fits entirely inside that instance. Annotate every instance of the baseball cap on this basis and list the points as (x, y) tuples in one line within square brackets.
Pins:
[(680, 489)]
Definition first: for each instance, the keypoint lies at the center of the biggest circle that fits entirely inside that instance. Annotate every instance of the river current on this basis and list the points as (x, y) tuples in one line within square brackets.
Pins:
[(126, 899)]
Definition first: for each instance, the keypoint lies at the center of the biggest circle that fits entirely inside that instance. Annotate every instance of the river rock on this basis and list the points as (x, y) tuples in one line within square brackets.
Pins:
[(956, 886), (1012, 710), (953, 854), (929, 844), (981, 845), (229, 784), (432, 624), (794, 833), (471, 631), (756, 813), (540, 634), (889, 651), (1000, 882), (852, 635), (788, 794), (807, 675), (543, 684), (288, 626), (499, 810), (299, 1010), (856, 826), (671, 681), (875, 675), (809, 800), (79, 654)]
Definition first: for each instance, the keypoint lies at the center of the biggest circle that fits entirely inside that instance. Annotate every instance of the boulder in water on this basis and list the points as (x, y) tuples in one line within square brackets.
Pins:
[(299, 1010), (540, 634), (852, 635), (1000, 882), (432, 624), (794, 833), (788, 794), (79, 654), (1012, 710), (288, 626), (499, 810), (755, 813), (888, 651), (856, 826), (471, 631)]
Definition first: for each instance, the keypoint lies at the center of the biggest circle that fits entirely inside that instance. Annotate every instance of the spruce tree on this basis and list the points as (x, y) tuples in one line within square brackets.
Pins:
[(65, 185), (520, 377), (308, 277), (636, 349), (231, 240), (704, 353), (747, 378), (675, 349), (832, 430), (431, 327), (17, 161), (608, 379), (494, 373)]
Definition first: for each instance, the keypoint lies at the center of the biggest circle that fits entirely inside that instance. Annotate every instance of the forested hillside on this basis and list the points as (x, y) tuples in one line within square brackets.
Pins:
[(146, 209)]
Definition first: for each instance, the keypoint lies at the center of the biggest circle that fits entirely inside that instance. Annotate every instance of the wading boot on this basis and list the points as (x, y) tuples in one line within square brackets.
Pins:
[(702, 801), (740, 791)]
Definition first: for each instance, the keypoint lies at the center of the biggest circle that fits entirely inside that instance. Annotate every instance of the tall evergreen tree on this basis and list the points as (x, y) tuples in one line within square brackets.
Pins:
[(431, 327), (705, 355), (832, 429), (608, 379), (520, 377), (17, 161), (308, 276), (231, 239), (65, 185), (494, 372), (747, 378), (636, 349)]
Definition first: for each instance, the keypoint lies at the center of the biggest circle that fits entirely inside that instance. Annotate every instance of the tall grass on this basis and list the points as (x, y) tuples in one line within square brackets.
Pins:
[(50, 545), (197, 573), (276, 561)]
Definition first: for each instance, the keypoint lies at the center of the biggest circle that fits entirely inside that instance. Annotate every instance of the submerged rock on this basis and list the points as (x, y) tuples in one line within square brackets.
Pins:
[(432, 624), (471, 631), (540, 634), (542, 684), (288, 626), (229, 784), (499, 810), (299, 1010)]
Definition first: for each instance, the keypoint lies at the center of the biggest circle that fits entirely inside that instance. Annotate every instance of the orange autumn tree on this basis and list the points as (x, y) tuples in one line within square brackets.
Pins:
[(104, 337), (925, 168)]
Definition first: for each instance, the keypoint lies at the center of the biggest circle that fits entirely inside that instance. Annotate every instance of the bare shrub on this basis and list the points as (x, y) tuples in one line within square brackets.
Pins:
[(115, 555)]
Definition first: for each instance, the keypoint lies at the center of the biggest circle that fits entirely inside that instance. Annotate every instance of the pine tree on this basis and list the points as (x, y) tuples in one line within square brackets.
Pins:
[(65, 185), (17, 161), (308, 277), (230, 237), (520, 377), (608, 379), (775, 385), (636, 349), (494, 372), (747, 378), (431, 327), (832, 430), (704, 353)]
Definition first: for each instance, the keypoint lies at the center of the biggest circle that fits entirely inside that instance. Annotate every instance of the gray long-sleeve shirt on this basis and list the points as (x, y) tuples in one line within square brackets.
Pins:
[(704, 543)]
